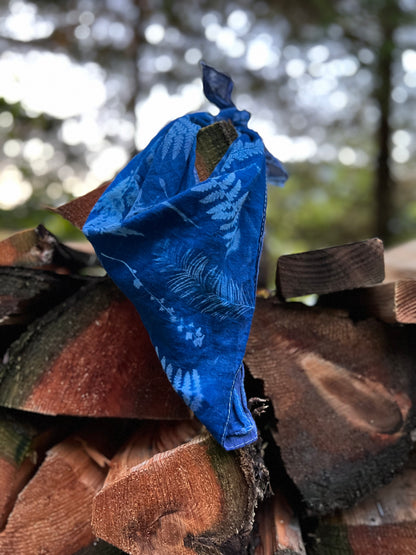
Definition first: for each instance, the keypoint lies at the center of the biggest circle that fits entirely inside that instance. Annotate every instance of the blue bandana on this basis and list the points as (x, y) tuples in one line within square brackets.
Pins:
[(186, 253)]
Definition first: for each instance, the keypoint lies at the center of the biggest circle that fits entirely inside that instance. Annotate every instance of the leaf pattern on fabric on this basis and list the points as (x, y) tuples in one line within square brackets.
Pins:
[(138, 284), (242, 151), (126, 232), (187, 383), (179, 139), (191, 333), (116, 206), (204, 286), (228, 200), (195, 298)]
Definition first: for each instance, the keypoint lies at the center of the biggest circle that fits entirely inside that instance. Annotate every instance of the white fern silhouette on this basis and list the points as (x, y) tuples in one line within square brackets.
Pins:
[(187, 383), (227, 199), (179, 138), (206, 288), (242, 151)]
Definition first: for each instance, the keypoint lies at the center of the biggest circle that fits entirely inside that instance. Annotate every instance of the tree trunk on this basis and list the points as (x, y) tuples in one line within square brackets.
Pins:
[(384, 181)]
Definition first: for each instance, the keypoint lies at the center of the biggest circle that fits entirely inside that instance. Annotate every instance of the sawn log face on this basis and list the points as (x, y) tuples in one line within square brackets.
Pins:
[(193, 498), (89, 356), (342, 395)]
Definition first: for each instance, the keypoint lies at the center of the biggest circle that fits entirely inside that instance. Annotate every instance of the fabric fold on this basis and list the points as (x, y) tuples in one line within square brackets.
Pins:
[(186, 253)]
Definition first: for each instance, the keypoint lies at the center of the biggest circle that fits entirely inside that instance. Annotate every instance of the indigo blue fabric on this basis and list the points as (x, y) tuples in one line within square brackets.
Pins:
[(186, 253)]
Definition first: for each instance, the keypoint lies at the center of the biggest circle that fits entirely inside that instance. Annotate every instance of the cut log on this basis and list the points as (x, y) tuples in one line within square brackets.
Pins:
[(77, 211), (278, 530), (24, 439), (89, 356), (342, 395), (331, 269), (52, 513), (38, 248), (382, 524), (26, 293), (193, 498), (393, 302), (400, 262)]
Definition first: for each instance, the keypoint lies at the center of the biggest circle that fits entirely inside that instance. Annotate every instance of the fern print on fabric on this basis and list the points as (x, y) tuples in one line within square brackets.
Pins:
[(188, 383), (186, 253), (208, 289), (225, 199)]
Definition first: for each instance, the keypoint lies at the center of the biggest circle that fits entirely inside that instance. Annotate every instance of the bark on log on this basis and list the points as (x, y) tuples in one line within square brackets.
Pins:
[(393, 302), (382, 524), (193, 498), (343, 395), (89, 356), (330, 269), (52, 513)]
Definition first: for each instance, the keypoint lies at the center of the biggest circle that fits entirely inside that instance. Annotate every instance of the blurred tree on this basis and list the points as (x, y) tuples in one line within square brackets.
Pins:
[(329, 83)]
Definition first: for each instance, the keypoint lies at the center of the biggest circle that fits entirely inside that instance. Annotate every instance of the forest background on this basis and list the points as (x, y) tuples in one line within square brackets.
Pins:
[(330, 84)]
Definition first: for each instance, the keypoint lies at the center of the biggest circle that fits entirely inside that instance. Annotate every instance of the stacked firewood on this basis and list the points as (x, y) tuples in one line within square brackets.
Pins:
[(95, 443), (99, 455)]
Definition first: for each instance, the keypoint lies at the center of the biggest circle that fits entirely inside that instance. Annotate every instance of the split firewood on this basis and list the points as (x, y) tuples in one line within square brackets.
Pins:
[(24, 439), (393, 302), (383, 523), (343, 395), (277, 529), (77, 211), (191, 498), (38, 248), (26, 293), (400, 262), (212, 143), (330, 269), (89, 356), (52, 513)]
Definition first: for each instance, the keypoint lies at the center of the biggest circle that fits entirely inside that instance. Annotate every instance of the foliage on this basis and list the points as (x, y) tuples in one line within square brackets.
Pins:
[(320, 78)]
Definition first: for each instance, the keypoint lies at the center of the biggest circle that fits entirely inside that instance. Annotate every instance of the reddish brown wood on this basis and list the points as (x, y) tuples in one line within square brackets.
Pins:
[(89, 356), (278, 530), (52, 513), (77, 211), (38, 248), (24, 439), (330, 269), (343, 395), (193, 498)]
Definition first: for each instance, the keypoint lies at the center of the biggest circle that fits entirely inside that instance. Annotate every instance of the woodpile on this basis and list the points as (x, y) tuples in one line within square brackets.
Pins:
[(99, 455)]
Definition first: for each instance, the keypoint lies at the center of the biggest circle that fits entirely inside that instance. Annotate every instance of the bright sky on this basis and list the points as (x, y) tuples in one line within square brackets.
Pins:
[(50, 83)]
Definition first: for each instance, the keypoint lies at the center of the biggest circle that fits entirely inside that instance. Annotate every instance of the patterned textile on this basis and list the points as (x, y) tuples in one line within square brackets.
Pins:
[(186, 253)]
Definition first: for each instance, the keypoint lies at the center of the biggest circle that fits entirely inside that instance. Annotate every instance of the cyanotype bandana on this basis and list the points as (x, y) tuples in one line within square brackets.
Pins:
[(186, 253)]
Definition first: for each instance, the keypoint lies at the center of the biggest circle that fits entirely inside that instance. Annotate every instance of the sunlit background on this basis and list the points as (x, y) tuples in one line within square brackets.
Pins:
[(331, 87)]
